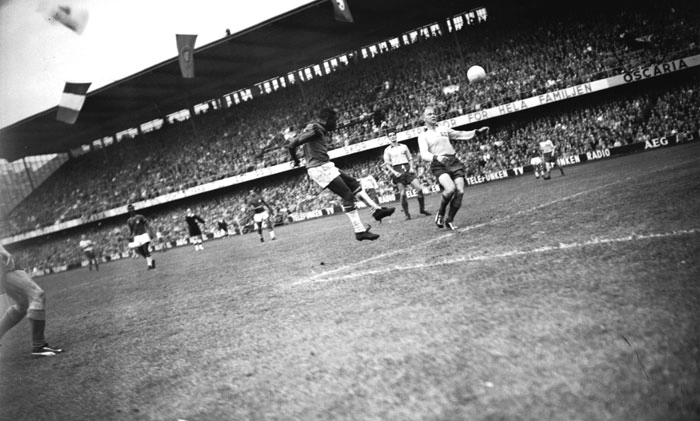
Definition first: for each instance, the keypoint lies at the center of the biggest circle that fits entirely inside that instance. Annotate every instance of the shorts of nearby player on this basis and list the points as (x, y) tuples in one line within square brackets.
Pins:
[(535, 161), (550, 157), (195, 231), (260, 217), (140, 240), (454, 167), (405, 178), (90, 254), (323, 174)]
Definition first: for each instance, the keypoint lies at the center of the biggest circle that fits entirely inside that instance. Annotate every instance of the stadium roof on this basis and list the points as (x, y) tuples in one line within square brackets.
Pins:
[(299, 38)]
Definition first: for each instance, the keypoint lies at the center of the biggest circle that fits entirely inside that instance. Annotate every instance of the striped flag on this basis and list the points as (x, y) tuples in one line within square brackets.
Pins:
[(71, 101), (342, 11), (185, 51), (72, 18)]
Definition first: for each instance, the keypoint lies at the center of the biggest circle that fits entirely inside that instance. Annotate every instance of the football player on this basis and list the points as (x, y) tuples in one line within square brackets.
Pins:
[(315, 138), (399, 162), (29, 301)]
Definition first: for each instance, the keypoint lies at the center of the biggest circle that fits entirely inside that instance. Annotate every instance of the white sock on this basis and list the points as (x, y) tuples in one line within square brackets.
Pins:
[(354, 217), (148, 261), (272, 235)]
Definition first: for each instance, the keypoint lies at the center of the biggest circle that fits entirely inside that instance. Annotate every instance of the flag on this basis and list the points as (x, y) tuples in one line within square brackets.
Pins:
[(71, 101), (72, 18), (185, 50), (342, 11)]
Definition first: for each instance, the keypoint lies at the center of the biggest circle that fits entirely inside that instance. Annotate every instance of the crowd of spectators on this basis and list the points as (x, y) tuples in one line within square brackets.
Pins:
[(583, 125)]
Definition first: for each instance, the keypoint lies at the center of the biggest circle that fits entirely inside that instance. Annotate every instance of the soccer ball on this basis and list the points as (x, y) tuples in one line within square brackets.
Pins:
[(476, 73)]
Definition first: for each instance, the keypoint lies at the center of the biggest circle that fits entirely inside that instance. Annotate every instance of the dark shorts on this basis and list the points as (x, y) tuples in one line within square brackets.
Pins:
[(550, 157), (454, 167), (405, 178), (195, 231), (89, 254)]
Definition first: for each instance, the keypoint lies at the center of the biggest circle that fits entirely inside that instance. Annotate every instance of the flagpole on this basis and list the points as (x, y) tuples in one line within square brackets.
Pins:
[(192, 115)]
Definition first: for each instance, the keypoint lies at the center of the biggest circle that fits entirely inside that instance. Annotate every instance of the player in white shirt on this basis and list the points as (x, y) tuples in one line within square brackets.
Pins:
[(370, 185), (435, 147), (399, 162), (88, 249), (549, 158)]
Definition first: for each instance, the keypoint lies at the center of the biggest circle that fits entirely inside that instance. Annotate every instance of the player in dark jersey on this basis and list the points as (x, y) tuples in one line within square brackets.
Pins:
[(536, 162), (261, 213), (195, 232), (140, 235), (315, 138), (29, 301)]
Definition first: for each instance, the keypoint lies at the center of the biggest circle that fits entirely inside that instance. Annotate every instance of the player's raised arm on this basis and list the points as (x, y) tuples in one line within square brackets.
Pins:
[(467, 134)]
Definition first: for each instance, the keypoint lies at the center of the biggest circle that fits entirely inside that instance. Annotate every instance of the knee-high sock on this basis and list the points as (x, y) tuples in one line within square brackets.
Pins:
[(404, 204), (11, 317), (421, 201), (444, 201), (37, 322), (354, 217), (455, 204)]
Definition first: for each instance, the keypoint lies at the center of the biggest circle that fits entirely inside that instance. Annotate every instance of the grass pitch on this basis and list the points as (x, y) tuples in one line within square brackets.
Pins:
[(575, 298)]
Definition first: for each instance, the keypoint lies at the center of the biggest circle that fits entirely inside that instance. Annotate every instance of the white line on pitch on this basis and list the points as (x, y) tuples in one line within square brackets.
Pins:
[(505, 255), (495, 220)]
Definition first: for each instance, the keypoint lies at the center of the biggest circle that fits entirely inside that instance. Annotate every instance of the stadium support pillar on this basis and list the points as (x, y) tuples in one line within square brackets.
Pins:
[(29, 173), (461, 56)]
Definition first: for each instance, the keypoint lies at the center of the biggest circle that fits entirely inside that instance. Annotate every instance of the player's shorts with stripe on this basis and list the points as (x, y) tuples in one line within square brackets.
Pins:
[(454, 167)]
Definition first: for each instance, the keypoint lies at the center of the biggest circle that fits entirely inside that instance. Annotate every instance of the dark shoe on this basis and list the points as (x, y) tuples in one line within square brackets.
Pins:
[(408, 216), (382, 213), (439, 220), (45, 351), (425, 212), (262, 240), (366, 235)]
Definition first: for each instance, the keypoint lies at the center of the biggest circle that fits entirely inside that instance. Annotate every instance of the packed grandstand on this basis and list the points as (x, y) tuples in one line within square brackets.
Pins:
[(567, 48)]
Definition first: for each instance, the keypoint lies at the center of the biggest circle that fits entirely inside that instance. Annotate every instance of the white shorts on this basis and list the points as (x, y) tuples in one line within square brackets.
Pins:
[(324, 174), (140, 240), (536, 161), (259, 217)]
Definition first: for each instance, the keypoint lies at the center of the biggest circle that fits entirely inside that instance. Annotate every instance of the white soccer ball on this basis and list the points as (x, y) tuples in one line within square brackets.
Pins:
[(476, 73)]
